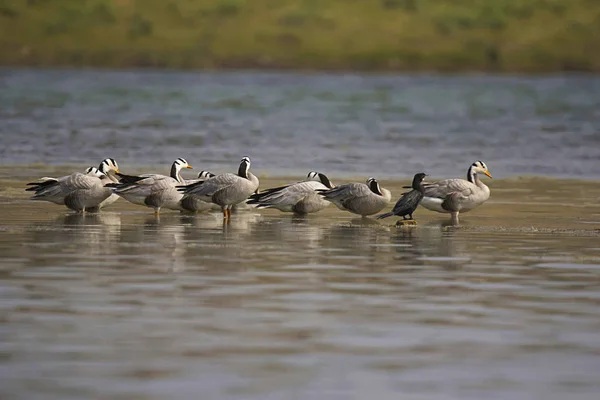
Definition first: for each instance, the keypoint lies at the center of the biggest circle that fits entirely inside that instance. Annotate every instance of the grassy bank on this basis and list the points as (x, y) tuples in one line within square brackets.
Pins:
[(445, 35)]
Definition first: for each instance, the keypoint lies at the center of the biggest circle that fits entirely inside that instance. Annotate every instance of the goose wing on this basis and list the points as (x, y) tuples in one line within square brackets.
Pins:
[(210, 186), (134, 178), (346, 192), (451, 192), (49, 189), (455, 187), (79, 181), (147, 185), (349, 196), (286, 195)]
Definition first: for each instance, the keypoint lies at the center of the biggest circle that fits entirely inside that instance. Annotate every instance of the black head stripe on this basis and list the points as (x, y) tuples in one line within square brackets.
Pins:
[(325, 180), (374, 186), (244, 167)]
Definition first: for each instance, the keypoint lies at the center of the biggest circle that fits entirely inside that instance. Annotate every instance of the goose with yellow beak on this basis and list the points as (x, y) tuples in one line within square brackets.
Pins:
[(457, 195)]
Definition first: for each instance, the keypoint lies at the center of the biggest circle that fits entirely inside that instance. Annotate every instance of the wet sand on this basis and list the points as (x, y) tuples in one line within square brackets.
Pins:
[(122, 304), (526, 204)]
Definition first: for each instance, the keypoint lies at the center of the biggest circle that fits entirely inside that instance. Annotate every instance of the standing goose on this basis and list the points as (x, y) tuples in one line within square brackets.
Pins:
[(79, 192), (300, 197), (359, 198), (225, 190), (457, 195), (48, 189), (192, 203), (409, 201), (106, 167), (153, 190)]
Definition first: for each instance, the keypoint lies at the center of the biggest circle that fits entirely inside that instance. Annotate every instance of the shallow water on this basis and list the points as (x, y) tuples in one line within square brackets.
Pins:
[(384, 126), (126, 305)]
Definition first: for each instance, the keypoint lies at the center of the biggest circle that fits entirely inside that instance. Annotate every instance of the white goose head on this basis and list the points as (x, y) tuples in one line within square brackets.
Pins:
[(244, 167), (374, 186), (176, 168), (319, 177), (475, 168), (108, 165)]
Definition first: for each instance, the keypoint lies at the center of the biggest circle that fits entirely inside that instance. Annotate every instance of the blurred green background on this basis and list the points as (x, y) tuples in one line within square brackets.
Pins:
[(414, 35)]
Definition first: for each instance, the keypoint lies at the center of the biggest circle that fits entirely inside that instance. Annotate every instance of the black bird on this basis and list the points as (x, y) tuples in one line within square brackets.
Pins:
[(409, 201)]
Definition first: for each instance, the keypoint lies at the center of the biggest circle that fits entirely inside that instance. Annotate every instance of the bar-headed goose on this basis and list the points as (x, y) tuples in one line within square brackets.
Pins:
[(457, 195), (300, 197), (225, 190), (106, 167), (359, 198), (46, 188), (153, 190), (409, 201), (193, 203), (79, 192)]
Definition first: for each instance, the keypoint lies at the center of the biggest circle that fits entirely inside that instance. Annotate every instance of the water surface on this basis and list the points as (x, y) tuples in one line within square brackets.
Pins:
[(385, 126), (125, 305)]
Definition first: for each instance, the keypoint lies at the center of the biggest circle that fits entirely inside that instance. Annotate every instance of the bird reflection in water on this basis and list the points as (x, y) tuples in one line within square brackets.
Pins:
[(94, 232), (79, 234), (432, 241)]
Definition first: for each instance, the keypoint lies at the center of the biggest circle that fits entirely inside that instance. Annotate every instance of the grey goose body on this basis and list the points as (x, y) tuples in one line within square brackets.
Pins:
[(78, 192), (300, 197), (359, 198), (458, 195), (225, 190), (154, 190)]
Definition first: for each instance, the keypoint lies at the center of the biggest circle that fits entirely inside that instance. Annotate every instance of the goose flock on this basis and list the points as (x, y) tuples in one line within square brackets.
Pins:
[(99, 187)]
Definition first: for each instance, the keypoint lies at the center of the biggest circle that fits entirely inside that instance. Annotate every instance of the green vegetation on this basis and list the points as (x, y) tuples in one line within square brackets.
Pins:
[(445, 35)]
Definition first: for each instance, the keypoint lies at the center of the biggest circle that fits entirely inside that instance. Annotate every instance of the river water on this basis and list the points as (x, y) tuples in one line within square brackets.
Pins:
[(124, 305), (385, 126)]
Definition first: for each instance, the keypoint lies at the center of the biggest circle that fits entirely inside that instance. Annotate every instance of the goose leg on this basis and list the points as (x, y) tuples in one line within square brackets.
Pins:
[(157, 211), (224, 208), (454, 218)]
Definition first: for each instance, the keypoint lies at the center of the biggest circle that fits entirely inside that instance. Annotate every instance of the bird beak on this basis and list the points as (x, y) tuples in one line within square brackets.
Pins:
[(487, 174), (190, 167), (117, 171)]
